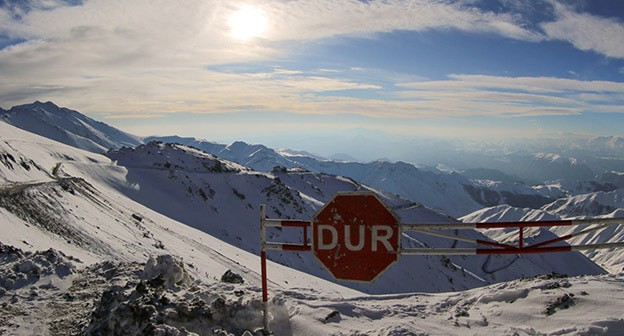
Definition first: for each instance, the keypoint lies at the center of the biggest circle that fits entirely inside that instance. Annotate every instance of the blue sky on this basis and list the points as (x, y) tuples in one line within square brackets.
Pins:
[(286, 70)]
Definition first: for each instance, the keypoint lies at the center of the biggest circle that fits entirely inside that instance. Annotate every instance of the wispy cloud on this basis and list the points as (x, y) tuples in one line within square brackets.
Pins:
[(587, 32), (300, 19), (516, 96), (531, 84), (137, 57)]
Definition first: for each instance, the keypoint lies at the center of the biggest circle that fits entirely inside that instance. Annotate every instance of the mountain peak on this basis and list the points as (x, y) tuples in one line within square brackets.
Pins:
[(159, 155), (44, 104), (67, 126), (37, 106)]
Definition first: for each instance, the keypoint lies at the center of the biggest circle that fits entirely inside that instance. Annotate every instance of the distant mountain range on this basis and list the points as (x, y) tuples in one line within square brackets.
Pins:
[(221, 197), (59, 188), (449, 192)]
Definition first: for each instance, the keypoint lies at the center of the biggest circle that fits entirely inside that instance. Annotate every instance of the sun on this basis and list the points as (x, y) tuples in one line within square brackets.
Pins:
[(247, 22)]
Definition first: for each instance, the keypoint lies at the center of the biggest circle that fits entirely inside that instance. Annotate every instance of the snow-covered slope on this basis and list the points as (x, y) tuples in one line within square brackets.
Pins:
[(538, 306), (222, 198), (48, 207), (563, 188), (506, 213), (255, 156), (26, 157), (56, 296), (225, 204), (99, 277), (441, 191), (593, 205), (67, 126), (445, 191), (600, 205)]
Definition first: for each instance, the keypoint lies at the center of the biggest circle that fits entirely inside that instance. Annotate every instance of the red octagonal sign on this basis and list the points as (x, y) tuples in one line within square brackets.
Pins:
[(355, 236)]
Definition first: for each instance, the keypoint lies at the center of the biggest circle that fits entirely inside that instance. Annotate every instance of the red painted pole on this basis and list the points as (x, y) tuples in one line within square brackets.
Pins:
[(265, 294), (263, 272)]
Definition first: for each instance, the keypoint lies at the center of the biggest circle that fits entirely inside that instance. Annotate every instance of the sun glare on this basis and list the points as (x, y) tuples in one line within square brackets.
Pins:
[(247, 22)]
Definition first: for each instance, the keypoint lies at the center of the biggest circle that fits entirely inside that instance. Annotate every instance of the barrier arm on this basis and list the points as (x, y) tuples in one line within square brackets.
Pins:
[(435, 229), (501, 248)]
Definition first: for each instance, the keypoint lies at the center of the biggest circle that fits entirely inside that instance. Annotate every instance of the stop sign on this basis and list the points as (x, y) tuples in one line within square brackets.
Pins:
[(355, 236)]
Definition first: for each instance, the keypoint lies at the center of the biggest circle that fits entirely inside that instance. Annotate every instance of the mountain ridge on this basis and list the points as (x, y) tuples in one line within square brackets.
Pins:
[(446, 191), (67, 126)]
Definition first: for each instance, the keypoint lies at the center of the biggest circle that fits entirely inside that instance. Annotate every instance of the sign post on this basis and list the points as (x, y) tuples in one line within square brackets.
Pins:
[(263, 272), (356, 237)]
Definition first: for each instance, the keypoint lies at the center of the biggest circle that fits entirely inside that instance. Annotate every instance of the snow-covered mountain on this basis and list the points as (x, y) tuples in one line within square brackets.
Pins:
[(67, 126), (225, 204), (592, 205), (447, 192), (599, 205), (540, 166), (222, 198), (80, 255), (68, 244), (255, 156), (506, 213), (528, 160), (444, 191), (607, 145), (562, 188)]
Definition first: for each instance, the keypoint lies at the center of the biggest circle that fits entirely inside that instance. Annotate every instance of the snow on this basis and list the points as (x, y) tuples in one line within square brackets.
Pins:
[(518, 307), (161, 297), (84, 251), (593, 205), (67, 126), (224, 203)]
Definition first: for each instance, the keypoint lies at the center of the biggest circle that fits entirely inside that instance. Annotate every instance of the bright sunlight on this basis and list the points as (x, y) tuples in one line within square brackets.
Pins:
[(247, 22)]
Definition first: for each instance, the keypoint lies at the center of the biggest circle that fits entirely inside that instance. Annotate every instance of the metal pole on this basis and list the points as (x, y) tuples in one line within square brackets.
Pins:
[(263, 271)]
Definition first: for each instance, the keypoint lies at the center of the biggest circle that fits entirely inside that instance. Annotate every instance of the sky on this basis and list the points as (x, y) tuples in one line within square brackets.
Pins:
[(292, 73)]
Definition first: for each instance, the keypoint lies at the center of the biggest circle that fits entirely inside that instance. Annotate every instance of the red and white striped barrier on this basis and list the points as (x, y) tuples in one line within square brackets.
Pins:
[(435, 229)]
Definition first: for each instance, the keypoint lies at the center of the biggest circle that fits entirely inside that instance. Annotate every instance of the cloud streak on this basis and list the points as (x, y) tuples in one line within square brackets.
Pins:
[(518, 96), (299, 19), (587, 32), (139, 57)]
